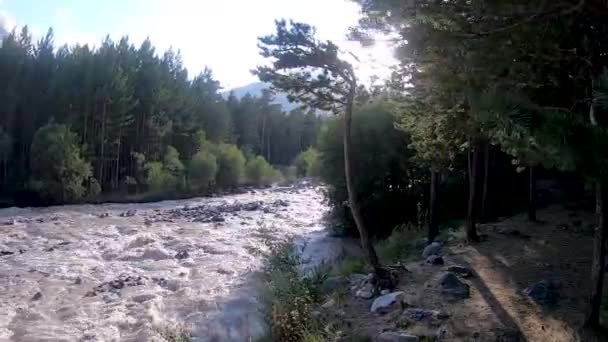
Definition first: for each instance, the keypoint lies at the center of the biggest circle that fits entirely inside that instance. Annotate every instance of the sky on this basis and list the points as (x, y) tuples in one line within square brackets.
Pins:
[(220, 34)]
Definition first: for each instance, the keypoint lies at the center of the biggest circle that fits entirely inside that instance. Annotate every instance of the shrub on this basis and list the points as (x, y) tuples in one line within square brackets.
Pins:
[(202, 171), (290, 297), (231, 165), (259, 172), (59, 173), (307, 163), (174, 168), (401, 244), (156, 177)]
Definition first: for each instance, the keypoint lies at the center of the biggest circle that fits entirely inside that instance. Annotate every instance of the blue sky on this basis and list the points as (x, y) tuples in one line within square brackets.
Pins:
[(220, 34)]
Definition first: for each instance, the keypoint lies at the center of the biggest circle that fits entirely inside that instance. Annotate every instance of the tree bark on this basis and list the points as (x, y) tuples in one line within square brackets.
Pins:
[(532, 195), (471, 229), (486, 174), (592, 319), (434, 207), (366, 243)]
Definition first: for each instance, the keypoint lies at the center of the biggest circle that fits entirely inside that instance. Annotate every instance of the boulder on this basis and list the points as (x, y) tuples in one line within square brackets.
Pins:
[(129, 213), (462, 271), (432, 249), (37, 296), (391, 336), (434, 260), (453, 287), (387, 302), (543, 292), (357, 278)]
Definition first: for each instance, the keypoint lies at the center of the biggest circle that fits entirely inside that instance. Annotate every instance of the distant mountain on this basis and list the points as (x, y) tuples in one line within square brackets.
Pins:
[(256, 88)]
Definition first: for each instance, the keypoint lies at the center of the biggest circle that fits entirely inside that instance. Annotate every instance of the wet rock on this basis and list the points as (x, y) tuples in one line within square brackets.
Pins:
[(365, 292), (37, 296), (462, 271), (543, 292), (103, 215), (218, 219), (252, 206), (129, 213), (182, 255), (453, 287), (267, 210), (432, 249), (78, 281), (282, 203), (434, 260), (117, 284), (391, 336), (10, 222), (387, 302), (4, 253)]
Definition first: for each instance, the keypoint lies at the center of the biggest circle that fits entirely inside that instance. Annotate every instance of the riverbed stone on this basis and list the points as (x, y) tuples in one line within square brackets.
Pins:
[(387, 302), (182, 255), (432, 249), (392, 336), (452, 287)]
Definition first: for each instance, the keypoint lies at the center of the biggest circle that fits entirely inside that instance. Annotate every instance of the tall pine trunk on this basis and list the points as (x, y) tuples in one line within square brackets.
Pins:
[(532, 194), (486, 174), (434, 207), (592, 319), (102, 141), (366, 243), (471, 228)]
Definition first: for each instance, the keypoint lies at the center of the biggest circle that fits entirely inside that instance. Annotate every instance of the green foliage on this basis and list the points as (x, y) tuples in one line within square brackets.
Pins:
[(174, 167), (167, 175), (202, 170), (259, 172), (308, 163), (289, 297), (59, 173), (350, 265), (157, 177), (389, 188), (401, 244), (231, 165)]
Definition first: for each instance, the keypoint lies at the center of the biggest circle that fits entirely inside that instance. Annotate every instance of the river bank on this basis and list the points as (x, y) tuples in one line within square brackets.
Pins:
[(113, 272)]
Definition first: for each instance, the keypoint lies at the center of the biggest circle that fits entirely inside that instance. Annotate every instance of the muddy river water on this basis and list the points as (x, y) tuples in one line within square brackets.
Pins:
[(120, 272)]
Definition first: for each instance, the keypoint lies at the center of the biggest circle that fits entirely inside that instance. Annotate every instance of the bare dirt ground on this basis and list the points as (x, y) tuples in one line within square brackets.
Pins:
[(515, 255)]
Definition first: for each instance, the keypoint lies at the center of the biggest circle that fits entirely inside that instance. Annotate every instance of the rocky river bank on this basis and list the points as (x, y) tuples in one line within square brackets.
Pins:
[(120, 272)]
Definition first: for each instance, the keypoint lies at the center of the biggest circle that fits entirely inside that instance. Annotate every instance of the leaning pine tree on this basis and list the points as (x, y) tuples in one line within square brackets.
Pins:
[(312, 72)]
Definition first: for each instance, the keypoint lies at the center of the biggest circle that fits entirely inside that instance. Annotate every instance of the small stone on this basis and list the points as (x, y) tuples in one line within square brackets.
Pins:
[(78, 281), (330, 303), (432, 249), (434, 260), (543, 293), (387, 302), (417, 314), (462, 271), (37, 296), (391, 336), (365, 292), (452, 287)]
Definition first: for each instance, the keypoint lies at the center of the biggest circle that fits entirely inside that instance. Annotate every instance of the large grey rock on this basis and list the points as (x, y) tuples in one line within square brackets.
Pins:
[(460, 270), (432, 249), (543, 292), (391, 336), (357, 278), (453, 287), (387, 302)]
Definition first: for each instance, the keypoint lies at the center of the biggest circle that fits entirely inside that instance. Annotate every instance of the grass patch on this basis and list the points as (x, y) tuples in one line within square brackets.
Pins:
[(290, 297), (401, 245), (350, 265)]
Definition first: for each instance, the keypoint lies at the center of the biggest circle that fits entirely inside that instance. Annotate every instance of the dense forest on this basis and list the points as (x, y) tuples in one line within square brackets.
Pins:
[(76, 121), (487, 96)]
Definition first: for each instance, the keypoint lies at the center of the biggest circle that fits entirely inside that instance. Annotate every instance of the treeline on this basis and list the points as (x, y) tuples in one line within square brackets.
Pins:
[(478, 83), (77, 120)]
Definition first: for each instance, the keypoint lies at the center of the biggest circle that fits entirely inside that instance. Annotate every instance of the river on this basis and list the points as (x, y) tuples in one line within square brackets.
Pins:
[(119, 272)]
